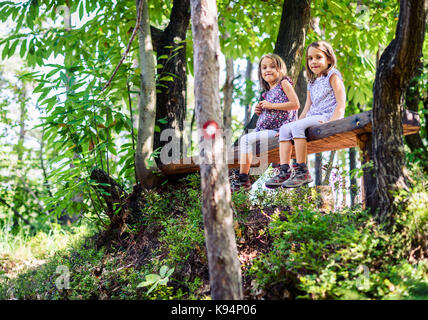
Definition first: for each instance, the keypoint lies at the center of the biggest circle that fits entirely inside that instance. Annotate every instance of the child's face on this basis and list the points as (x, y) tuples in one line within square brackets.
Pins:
[(269, 70), (317, 61)]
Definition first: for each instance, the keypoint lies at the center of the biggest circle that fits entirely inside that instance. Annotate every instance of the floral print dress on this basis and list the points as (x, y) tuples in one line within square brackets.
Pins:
[(274, 119)]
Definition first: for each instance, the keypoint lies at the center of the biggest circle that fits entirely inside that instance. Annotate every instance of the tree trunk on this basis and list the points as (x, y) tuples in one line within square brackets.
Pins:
[(353, 180), (121, 207), (318, 169), (301, 90), (248, 91), (171, 97), (147, 102), (223, 263), (397, 66), (228, 95), (290, 43), (329, 168)]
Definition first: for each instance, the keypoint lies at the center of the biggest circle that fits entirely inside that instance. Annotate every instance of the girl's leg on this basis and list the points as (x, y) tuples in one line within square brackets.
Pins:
[(285, 150), (247, 151), (298, 133), (248, 147), (302, 175), (300, 145), (285, 145), (245, 162)]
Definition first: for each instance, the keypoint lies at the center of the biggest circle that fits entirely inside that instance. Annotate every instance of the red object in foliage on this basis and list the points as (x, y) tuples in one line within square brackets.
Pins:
[(209, 129)]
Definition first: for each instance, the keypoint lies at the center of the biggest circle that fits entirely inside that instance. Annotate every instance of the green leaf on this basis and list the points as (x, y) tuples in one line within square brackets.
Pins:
[(166, 78), (163, 270), (81, 9), (12, 48), (5, 51), (64, 78), (23, 48)]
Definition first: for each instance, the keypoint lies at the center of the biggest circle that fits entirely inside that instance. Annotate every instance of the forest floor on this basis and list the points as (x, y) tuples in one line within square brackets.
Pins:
[(287, 246)]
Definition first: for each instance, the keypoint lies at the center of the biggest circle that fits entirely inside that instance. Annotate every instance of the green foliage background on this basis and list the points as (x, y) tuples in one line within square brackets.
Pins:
[(80, 128)]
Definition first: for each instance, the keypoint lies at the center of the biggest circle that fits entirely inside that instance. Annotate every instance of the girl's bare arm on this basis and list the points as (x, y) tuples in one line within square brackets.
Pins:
[(291, 104), (339, 93), (307, 106)]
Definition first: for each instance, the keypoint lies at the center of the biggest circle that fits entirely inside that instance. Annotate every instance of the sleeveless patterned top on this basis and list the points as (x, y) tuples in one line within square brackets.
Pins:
[(274, 119), (322, 95)]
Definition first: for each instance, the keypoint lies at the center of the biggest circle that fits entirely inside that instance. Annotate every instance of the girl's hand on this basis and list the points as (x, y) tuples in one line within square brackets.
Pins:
[(265, 104), (277, 134), (258, 110)]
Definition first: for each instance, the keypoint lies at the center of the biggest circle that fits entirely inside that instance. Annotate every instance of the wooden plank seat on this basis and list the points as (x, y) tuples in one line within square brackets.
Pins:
[(335, 135)]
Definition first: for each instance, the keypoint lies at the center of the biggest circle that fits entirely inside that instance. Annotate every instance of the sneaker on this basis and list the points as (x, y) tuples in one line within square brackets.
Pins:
[(236, 184), (279, 179), (300, 177)]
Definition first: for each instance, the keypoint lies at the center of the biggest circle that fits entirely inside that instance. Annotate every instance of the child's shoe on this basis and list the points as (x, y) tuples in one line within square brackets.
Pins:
[(284, 174), (240, 182), (300, 177)]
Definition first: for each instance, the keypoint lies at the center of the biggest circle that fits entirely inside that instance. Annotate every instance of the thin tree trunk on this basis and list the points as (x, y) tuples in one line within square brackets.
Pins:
[(318, 170), (353, 180), (19, 150), (397, 66), (147, 102), (42, 164), (192, 122), (248, 91), (329, 168), (301, 89), (223, 263), (228, 95)]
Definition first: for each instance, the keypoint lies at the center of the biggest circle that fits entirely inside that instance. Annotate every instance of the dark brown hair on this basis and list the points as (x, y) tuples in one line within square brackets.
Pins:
[(279, 64), (328, 51)]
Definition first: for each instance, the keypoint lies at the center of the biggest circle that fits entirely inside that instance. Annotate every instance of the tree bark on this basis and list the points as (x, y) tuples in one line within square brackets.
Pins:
[(171, 95), (223, 263), (397, 66), (121, 207), (147, 102), (353, 180), (228, 95), (248, 91), (301, 90), (290, 43), (318, 170), (329, 168)]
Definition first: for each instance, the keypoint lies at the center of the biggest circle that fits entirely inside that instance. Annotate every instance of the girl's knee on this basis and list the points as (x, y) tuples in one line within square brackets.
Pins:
[(298, 131)]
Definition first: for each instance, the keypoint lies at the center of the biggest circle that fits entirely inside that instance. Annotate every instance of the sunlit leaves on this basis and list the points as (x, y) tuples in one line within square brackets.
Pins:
[(357, 32)]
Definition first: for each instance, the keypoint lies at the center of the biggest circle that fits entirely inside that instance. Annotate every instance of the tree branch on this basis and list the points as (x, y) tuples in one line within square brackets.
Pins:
[(134, 33), (14, 211)]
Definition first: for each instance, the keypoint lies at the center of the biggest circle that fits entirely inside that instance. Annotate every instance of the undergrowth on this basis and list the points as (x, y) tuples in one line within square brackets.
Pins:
[(288, 248)]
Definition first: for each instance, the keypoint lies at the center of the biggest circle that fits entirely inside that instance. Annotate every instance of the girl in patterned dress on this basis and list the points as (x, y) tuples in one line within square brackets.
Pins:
[(325, 102), (278, 106)]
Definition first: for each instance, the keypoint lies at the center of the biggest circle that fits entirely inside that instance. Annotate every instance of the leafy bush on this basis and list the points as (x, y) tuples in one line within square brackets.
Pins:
[(346, 255)]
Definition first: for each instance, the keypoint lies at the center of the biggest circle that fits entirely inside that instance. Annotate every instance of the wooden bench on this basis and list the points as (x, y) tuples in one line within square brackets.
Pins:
[(340, 134)]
